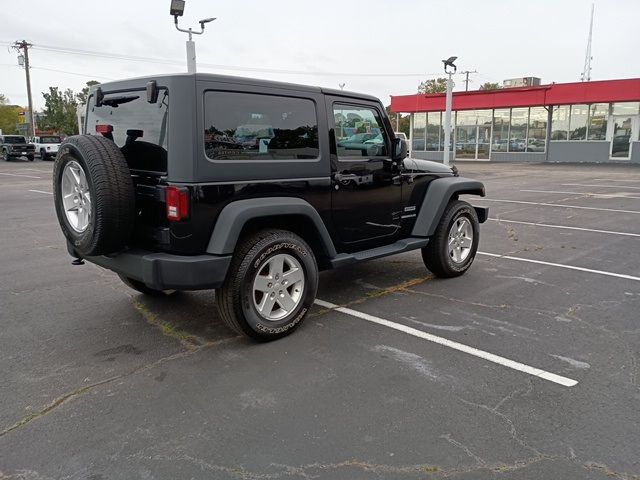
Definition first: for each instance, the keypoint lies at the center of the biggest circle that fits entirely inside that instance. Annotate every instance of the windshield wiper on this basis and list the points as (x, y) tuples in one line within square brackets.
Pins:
[(115, 101)]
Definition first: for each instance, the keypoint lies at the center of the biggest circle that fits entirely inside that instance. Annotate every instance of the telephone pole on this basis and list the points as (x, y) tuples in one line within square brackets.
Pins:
[(466, 80), (24, 47)]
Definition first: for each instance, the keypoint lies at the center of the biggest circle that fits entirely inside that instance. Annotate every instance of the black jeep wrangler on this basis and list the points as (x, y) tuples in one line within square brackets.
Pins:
[(16, 146), (199, 181)]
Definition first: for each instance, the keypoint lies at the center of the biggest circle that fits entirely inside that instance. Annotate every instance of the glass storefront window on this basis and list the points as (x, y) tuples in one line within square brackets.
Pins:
[(578, 122), (417, 135), (627, 108), (434, 130), (518, 130), (560, 123), (598, 116), (501, 119), (537, 136)]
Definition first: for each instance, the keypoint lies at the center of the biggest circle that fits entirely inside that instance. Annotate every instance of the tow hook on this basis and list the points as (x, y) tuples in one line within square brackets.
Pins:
[(78, 261)]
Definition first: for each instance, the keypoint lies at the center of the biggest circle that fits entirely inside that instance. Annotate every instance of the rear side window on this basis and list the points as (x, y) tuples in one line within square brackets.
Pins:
[(247, 126)]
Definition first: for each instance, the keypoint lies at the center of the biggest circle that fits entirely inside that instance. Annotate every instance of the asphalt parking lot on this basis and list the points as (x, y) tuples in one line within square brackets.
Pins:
[(526, 367)]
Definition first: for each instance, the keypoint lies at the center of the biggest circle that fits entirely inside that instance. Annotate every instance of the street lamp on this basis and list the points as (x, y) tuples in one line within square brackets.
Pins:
[(177, 10), (449, 69)]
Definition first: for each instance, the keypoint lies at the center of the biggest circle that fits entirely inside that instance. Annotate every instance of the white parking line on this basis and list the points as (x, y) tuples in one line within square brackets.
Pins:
[(615, 180), (556, 205), (521, 367), (561, 265), (41, 191), (590, 194), (18, 175), (601, 186), (565, 227)]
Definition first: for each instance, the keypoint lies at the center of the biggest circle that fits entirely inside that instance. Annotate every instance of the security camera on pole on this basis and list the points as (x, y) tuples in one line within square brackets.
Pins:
[(449, 69), (177, 10)]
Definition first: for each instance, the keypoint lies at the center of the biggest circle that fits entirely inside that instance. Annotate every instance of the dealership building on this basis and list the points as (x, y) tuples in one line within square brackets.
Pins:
[(596, 121)]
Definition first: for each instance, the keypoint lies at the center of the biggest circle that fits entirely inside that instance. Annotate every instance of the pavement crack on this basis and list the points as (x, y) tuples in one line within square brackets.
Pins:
[(463, 447), (69, 396), (186, 339), (513, 432)]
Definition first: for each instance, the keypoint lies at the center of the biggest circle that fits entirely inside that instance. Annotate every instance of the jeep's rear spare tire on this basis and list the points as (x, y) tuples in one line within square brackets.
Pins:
[(93, 194), (271, 285)]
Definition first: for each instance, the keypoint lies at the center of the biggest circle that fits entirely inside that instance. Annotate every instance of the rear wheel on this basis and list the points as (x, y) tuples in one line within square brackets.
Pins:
[(270, 286), (451, 250), (142, 288)]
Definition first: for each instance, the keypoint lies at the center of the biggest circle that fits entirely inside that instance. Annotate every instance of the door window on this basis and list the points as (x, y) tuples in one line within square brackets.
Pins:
[(359, 132)]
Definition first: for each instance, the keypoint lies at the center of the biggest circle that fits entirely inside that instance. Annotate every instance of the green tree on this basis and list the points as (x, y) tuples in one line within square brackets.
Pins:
[(402, 126), (60, 111), (438, 85), (490, 86), (8, 115), (84, 93)]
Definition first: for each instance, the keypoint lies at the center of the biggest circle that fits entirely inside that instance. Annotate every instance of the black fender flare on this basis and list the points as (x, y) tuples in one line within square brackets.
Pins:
[(235, 215), (439, 192)]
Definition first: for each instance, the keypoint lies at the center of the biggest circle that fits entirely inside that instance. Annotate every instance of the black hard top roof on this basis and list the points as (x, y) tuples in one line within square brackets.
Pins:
[(127, 83)]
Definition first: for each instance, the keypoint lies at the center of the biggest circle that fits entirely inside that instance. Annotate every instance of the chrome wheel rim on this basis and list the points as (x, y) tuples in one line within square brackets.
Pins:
[(460, 240), (76, 198), (278, 287)]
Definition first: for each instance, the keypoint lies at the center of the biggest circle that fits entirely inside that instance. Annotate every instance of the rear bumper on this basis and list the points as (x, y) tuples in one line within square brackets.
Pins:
[(164, 271)]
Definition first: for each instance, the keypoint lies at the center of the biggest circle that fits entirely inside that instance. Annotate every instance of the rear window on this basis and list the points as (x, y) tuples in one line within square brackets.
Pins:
[(247, 126), (130, 111), (50, 140)]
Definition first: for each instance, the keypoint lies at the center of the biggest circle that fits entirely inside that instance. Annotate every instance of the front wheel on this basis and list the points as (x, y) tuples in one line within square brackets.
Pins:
[(270, 286), (451, 250), (5, 156)]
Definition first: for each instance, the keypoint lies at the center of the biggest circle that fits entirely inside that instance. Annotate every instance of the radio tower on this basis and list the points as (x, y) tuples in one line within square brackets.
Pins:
[(586, 72)]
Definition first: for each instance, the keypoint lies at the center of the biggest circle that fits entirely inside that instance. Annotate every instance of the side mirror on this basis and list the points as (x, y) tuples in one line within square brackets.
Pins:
[(399, 149)]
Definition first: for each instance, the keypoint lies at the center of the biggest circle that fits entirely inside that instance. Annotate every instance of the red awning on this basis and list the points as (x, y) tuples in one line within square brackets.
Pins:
[(605, 91)]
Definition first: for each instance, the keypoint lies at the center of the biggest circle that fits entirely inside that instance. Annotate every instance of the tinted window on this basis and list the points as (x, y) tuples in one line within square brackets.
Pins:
[(14, 140), (50, 140), (359, 132), (131, 111), (246, 126)]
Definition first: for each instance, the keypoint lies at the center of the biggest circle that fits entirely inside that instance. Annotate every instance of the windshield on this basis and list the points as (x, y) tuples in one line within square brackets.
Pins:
[(14, 139), (50, 140)]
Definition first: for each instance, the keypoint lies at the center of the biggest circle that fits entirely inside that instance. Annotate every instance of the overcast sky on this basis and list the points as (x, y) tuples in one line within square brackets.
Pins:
[(378, 47)]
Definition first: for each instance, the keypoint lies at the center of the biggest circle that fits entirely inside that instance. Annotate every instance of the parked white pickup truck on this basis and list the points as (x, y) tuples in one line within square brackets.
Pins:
[(47, 146)]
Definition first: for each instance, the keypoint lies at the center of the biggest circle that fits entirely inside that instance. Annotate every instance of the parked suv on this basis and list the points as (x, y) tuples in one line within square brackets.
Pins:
[(15, 146), (199, 181), (46, 145)]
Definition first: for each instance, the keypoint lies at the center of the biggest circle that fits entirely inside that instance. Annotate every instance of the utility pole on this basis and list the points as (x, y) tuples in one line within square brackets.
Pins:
[(466, 80), (24, 47)]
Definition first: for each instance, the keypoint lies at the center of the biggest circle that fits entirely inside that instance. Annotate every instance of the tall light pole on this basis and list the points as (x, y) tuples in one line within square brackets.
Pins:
[(177, 10), (449, 69)]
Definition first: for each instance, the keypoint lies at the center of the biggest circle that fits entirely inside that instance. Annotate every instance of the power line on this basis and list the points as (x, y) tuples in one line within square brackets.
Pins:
[(72, 73), (116, 56)]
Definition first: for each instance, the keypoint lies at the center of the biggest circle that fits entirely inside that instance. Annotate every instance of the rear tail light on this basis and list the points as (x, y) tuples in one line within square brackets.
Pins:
[(177, 203), (104, 128)]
